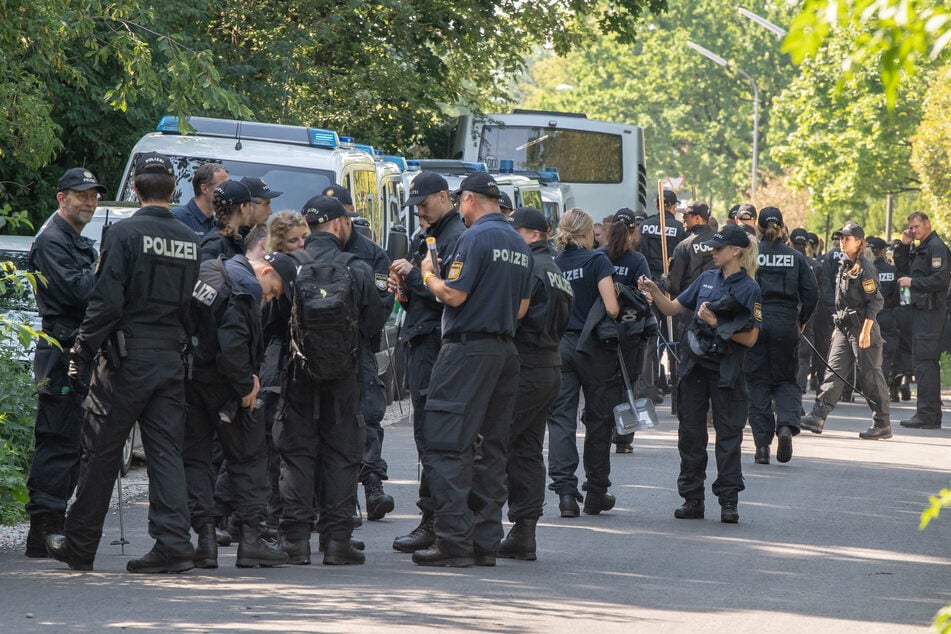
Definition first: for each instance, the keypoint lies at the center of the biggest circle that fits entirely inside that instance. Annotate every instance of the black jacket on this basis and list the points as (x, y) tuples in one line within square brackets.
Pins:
[(213, 244), (857, 295), (927, 265), (690, 258), (786, 279), (68, 262), (423, 312), (144, 283), (375, 257), (650, 246), (540, 330), (888, 281)]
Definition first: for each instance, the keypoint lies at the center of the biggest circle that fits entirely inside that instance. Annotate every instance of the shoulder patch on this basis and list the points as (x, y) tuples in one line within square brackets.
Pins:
[(454, 271), (758, 311), (936, 262), (380, 280), (869, 285)]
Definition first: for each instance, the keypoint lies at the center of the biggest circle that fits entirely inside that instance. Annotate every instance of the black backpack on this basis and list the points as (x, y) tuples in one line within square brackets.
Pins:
[(210, 297), (324, 335)]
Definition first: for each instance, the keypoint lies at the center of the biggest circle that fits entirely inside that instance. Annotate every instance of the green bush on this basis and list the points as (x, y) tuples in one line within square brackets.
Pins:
[(945, 370)]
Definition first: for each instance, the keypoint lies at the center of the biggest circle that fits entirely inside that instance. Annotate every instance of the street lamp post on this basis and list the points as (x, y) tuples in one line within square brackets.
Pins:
[(779, 31), (713, 57)]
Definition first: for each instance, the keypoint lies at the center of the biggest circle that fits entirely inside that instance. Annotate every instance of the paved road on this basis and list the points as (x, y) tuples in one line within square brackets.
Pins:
[(826, 543)]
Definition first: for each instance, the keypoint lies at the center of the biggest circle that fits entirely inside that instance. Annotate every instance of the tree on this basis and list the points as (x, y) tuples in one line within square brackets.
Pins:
[(931, 148), (697, 116)]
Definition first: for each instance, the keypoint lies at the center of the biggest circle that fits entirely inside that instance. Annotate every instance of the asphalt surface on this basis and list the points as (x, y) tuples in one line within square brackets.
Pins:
[(826, 543)]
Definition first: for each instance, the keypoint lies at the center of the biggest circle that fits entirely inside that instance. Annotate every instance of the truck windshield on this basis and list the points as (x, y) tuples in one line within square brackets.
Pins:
[(581, 156), (297, 183)]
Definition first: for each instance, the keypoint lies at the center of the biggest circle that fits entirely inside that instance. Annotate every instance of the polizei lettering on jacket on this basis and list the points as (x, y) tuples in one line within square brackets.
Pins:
[(204, 293), (559, 282), (510, 256), (654, 230), (776, 260), (181, 249), (699, 247)]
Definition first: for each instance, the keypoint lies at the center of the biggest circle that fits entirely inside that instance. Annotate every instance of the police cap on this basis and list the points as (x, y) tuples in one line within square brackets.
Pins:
[(339, 192), (529, 218), (799, 236), (286, 267), (320, 209), (479, 183), (153, 163), (730, 235), (258, 188), (79, 179), (424, 185), (851, 228)]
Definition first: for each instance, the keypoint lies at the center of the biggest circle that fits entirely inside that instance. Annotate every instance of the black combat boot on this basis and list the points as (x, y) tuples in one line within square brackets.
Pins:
[(597, 501), (156, 563), (355, 543), (297, 550), (42, 525), (58, 548), (691, 509), (420, 538), (339, 552), (520, 542), (440, 554), (378, 502), (254, 551), (206, 552), (813, 423)]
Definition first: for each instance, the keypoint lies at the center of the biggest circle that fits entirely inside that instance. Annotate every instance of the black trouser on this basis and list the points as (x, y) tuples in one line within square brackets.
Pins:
[(805, 355), (633, 360), (844, 355), (59, 419), (822, 327), (904, 319), (775, 399), (423, 351), (272, 398), (525, 467), (319, 431), (471, 395), (149, 388), (598, 375), (243, 443), (888, 325), (698, 392), (929, 326), (374, 408)]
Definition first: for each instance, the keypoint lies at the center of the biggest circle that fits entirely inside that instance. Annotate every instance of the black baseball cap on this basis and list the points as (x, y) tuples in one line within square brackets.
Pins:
[(286, 267), (670, 197), (698, 208), (505, 202), (529, 218), (231, 193), (799, 236), (320, 209), (153, 163), (813, 239), (79, 179), (876, 243), (627, 216), (732, 213), (424, 185), (747, 210), (729, 235), (259, 188), (479, 183), (768, 215), (339, 192), (851, 228)]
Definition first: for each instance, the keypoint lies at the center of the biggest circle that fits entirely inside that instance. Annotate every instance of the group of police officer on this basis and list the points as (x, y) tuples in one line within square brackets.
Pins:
[(487, 310)]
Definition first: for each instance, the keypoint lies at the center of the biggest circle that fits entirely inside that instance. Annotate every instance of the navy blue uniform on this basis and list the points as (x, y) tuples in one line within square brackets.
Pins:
[(716, 384), (68, 261), (473, 384), (194, 218), (537, 338), (822, 322), (596, 372), (928, 266), (790, 294), (887, 322), (857, 298)]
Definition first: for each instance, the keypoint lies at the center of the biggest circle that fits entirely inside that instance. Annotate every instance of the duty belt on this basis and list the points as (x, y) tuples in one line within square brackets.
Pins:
[(466, 337), (149, 343)]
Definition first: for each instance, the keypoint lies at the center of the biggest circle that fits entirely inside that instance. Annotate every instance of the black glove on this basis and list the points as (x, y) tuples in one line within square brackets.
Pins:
[(80, 369)]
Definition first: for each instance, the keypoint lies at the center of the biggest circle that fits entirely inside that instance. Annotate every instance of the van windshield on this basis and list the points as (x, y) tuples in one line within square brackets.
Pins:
[(297, 183), (581, 156)]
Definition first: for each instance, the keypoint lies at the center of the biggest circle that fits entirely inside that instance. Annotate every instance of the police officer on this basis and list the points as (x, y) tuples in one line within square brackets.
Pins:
[(857, 339), (650, 248), (131, 342), (746, 218), (373, 468), (67, 260), (800, 241), (505, 203), (422, 330), (222, 393), (319, 429), (536, 340), (588, 365), (823, 327), (887, 323), (925, 271), (629, 266), (717, 382), (199, 213), (691, 257), (474, 380), (790, 293), (261, 197), (232, 203)]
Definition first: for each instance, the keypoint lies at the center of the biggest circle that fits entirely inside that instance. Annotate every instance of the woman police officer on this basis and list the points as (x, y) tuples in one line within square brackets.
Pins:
[(590, 274), (857, 338), (725, 299)]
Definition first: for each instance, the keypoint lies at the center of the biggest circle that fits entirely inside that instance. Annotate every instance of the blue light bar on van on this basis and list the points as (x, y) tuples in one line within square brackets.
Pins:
[(413, 165), (323, 138), (346, 142), (167, 125), (398, 160), (452, 167), (363, 147), (506, 166)]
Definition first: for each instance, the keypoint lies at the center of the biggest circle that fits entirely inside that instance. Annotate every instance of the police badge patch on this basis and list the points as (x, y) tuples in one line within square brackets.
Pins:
[(758, 311), (454, 271), (869, 286), (381, 280), (936, 262)]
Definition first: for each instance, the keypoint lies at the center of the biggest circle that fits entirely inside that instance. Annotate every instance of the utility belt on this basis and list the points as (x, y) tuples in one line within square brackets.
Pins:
[(466, 337), (847, 320), (63, 334), (925, 301)]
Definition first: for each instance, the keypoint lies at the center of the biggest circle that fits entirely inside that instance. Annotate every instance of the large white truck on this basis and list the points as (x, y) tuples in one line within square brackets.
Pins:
[(603, 163)]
